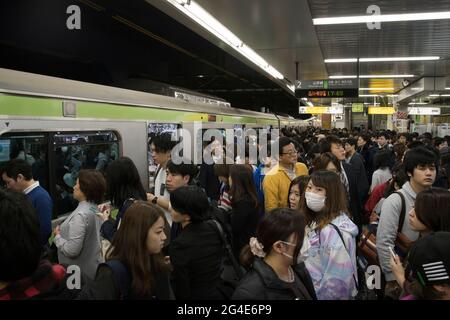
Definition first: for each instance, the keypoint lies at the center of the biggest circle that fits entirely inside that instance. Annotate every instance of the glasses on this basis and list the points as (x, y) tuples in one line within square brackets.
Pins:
[(291, 152)]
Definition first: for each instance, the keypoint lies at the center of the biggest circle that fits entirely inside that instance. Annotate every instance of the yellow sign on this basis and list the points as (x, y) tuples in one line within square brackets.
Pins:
[(381, 110), (357, 107), (321, 110)]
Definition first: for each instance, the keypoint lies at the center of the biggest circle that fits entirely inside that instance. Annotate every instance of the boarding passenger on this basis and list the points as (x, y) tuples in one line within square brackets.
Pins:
[(78, 237), (135, 269), (18, 177), (420, 166), (123, 187), (277, 180), (332, 235), (275, 257), (196, 254), (382, 171)]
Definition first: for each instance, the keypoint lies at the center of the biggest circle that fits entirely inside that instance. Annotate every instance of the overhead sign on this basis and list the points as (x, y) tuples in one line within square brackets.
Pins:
[(321, 110), (424, 111), (339, 88), (381, 110), (357, 107)]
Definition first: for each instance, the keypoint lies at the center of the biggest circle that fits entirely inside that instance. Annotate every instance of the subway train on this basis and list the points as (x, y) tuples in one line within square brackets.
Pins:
[(60, 126)]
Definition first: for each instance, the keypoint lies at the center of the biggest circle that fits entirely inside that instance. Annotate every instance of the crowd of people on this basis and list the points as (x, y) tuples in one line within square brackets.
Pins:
[(295, 225)]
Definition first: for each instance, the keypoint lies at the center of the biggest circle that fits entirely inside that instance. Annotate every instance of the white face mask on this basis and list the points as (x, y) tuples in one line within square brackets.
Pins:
[(314, 201)]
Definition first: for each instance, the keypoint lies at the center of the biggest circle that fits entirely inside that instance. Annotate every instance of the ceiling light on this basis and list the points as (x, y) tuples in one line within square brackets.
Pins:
[(445, 95), (340, 60), (434, 95), (377, 89), (342, 77), (368, 95), (383, 18), (388, 76), (421, 103), (398, 59), (194, 11), (392, 95), (447, 88)]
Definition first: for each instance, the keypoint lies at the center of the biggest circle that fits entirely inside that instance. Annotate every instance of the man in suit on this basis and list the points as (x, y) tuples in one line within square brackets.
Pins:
[(348, 177), (357, 162)]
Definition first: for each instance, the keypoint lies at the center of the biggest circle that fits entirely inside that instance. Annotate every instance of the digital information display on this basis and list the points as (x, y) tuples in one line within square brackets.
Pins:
[(327, 93), (346, 88)]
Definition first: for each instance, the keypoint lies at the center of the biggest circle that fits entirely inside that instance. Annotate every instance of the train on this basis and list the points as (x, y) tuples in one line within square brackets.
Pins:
[(60, 125)]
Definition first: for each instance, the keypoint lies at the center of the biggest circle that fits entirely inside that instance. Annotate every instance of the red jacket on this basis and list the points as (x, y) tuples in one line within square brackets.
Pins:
[(375, 197)]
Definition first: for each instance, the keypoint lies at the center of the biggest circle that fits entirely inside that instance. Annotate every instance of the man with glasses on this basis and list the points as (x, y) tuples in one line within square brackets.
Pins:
[(277, 180)]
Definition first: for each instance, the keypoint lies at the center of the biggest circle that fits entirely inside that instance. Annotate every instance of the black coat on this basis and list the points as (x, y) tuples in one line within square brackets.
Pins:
[(262, 283), (244, 220), (367, 152), (106, 287), (355, 204), (357, 162), (209, 181), (196, 256)]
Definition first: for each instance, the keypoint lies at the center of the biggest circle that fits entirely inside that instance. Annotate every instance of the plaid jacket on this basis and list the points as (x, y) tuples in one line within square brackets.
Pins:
[(47, 277)]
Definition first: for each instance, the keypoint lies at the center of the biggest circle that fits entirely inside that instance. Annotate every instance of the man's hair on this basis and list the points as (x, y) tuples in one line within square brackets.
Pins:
[(351, 141), (283, 142), (20, 245), (325, 144), (417, 157), (18, 166), (184, 169), (163, 142)]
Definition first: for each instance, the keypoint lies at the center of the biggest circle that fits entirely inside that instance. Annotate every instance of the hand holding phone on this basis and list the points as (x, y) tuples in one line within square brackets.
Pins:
[(392, 253)]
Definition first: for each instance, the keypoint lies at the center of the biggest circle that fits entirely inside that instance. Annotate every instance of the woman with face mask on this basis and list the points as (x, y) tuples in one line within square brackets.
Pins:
[(276, 258), (332, 235)]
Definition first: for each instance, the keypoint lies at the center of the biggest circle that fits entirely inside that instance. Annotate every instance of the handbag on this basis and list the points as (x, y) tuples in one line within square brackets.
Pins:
[(367, 246)]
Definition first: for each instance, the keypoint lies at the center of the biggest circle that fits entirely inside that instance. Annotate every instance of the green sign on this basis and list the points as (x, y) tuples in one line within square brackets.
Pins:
[(357, 107)]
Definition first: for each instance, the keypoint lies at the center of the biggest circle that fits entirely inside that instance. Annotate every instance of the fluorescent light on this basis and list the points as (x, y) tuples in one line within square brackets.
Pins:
[(434, 95), (392, 95), (340, 60), (342, 77), (416, 89), (368, 95), (388, 76), (291, 87), (398, 59), (447, 88), (421, 103), (384, 18), (207, 21), (445, 95), (377, 89)]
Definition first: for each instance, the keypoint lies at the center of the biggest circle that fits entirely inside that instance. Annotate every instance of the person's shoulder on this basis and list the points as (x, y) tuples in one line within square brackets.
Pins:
[(251, 287)]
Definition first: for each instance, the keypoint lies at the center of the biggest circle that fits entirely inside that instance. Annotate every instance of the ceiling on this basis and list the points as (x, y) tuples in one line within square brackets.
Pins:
[(144, 44)]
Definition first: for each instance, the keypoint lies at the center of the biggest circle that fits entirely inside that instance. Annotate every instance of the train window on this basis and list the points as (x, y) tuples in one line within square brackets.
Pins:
[(76, 151), (153, 130), (29, 147)]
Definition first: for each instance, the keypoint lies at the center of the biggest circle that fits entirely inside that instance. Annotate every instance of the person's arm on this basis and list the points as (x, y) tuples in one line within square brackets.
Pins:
[(387, 232), (72, 246), (270, 193), (44, 207), (161, 202)]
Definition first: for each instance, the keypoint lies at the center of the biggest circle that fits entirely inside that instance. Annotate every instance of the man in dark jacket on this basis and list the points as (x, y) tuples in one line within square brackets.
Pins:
[(357, 162), (348, 177), (367, 152)]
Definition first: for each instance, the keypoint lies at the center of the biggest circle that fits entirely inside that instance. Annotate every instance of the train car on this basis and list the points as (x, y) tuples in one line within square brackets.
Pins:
[(60, 126)]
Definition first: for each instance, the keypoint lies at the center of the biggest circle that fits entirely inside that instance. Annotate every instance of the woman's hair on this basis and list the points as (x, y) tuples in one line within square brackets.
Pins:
[(321, 162), (382, 159), (92, 184), (129, 246), (222, 170), (399, 150), (278, 225), (335, 203), (399, 178), (192, 201), (243, 186), (123, 182), (432, 208), (301, 182)]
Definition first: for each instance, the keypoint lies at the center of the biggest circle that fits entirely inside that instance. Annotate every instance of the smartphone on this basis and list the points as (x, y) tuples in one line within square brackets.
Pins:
[(392, 252)]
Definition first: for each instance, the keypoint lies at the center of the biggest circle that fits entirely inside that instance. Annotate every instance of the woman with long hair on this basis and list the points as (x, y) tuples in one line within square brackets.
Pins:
[(296, 191), (244, 201), (135, 267), (332, 236), (123, 186)]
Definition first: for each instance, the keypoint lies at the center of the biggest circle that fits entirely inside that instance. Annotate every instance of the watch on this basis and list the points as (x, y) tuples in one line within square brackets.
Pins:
[(155, 200)]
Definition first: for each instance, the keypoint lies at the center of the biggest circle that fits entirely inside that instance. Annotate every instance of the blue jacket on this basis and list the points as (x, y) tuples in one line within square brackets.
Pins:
[(43, 204)]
